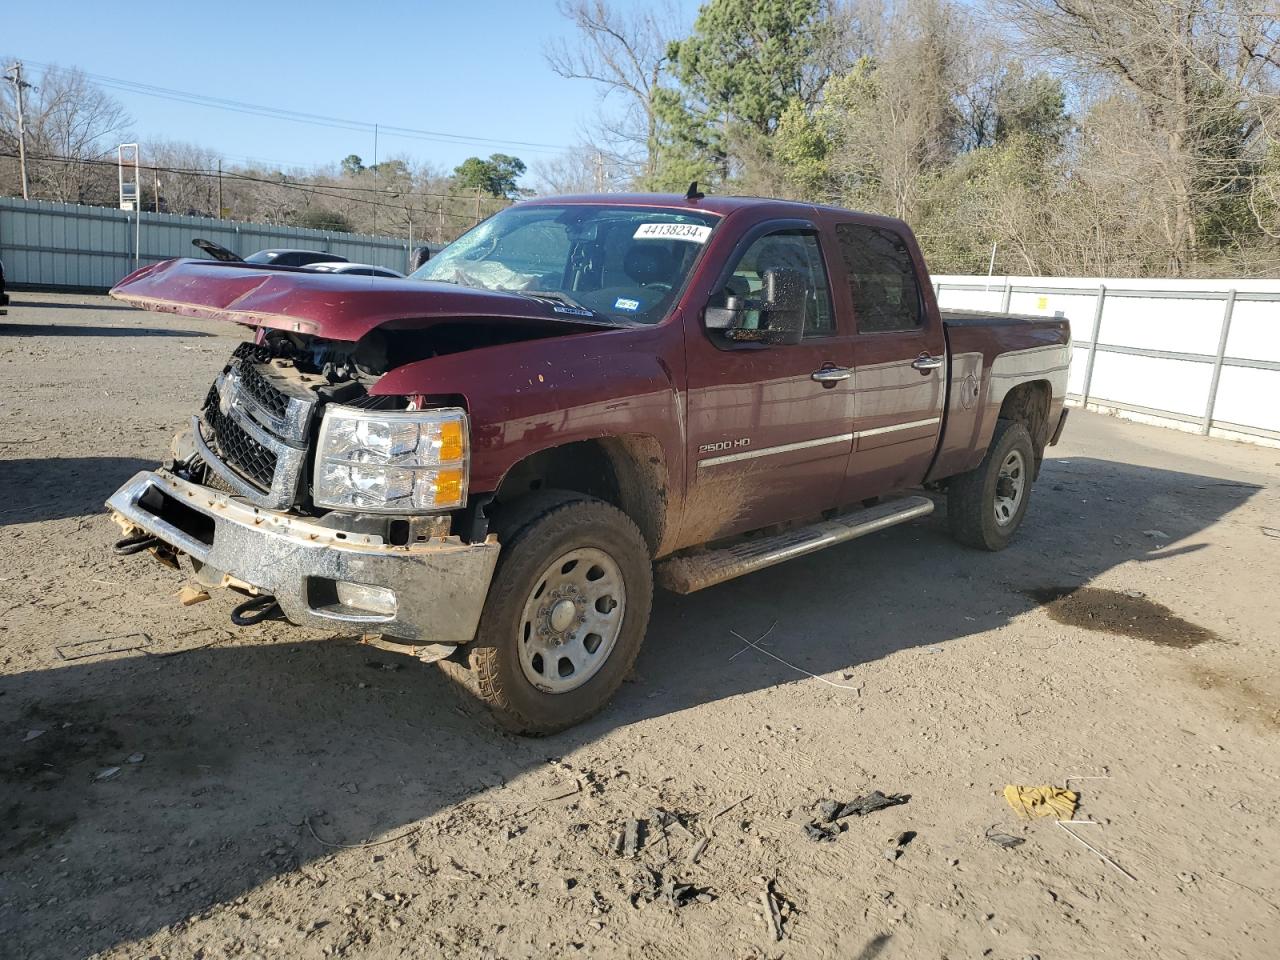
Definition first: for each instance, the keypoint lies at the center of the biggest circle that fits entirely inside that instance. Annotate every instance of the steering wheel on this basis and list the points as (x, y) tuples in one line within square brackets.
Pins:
[(663, 287)]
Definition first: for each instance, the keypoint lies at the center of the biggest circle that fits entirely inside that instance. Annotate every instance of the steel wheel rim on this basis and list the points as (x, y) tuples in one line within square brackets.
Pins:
[(571, 620), (1011, 484)]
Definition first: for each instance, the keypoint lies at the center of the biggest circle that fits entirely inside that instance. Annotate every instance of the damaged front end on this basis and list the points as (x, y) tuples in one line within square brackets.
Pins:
[(287, 431), (299, 479)]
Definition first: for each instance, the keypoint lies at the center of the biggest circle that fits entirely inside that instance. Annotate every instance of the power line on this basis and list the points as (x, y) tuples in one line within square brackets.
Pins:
[(298, 116), (313, 189)]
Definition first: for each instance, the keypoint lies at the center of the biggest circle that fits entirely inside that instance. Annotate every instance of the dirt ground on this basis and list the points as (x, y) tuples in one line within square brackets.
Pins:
[(284, 793)]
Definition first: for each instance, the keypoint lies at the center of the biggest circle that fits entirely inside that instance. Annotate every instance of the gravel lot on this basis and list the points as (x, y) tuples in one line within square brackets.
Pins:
[(257, 768)]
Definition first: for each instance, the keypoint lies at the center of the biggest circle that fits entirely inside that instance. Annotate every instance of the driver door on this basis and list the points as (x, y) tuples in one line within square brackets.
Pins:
[(769, 423)]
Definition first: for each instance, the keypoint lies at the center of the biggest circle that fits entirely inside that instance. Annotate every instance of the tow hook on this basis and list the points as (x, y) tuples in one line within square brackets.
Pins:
[(134, 543), (255, 610)]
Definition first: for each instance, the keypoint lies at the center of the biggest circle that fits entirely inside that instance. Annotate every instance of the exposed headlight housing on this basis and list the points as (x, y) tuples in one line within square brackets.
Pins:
[(414, 461)]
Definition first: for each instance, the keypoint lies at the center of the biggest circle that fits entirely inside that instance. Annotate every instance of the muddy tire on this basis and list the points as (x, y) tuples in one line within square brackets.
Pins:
[(566, 613), (985, 506)]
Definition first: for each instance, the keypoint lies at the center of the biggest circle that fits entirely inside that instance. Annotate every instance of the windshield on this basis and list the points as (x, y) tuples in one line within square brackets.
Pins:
[(619, 263)]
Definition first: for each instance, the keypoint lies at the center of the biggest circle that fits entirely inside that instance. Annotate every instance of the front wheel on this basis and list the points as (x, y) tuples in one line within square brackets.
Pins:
[(566, 614), (985, 506)]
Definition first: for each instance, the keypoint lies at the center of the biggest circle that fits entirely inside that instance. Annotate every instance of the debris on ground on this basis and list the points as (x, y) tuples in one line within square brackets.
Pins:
[(135, 758), (1270, 532), (677, 894), (822, 832), (106, 774), (1156, 534), (650, 886), (898, 844), (699, 849), (382, 665), (630, 839), (32, 734), (860, 806), (772, 911), (1004, 840), (1046, 801), (102, 646), (189, 596)]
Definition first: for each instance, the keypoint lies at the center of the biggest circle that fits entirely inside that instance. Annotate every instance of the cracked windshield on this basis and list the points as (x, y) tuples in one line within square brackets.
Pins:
[(618, 264)]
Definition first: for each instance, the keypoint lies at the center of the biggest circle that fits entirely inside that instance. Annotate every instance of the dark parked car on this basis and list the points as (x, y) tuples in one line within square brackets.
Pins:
[(4, 297), (292, 258)]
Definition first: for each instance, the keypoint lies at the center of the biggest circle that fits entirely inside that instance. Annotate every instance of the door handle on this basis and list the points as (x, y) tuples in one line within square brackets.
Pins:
[(830, 376), (926, 362)]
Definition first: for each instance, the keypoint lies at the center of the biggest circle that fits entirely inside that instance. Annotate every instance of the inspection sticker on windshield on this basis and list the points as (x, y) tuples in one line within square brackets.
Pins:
[(693, 232), (626, 303)]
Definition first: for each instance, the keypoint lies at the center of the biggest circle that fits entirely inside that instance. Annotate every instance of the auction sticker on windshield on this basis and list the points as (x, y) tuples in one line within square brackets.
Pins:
[(693, 232)]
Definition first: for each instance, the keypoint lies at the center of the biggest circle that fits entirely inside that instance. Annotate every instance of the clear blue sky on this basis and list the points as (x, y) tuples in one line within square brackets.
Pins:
[(471, 68)]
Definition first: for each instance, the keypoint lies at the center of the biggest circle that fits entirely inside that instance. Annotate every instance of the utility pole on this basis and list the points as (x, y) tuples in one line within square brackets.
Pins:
[(219, 189), (156, 173), (599, 172), (18, 86), (375, 178)]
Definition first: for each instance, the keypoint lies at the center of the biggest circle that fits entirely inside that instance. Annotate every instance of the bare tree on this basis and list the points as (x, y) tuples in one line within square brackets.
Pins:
[(1203, 74), (625, 54), (69, 118)]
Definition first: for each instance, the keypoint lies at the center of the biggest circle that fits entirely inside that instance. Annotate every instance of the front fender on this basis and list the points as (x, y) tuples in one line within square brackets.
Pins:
[(526, 397)]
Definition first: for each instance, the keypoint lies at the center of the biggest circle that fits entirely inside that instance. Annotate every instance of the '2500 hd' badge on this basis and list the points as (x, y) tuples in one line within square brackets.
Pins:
[(725, 445)]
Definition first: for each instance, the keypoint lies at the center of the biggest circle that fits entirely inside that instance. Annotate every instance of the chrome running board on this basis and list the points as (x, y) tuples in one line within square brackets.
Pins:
[(685, 574)]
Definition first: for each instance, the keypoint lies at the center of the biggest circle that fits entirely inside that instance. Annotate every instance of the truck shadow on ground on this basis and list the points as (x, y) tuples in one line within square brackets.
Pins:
[(242, 744), (54, 488), (42, 330), (96, 304)]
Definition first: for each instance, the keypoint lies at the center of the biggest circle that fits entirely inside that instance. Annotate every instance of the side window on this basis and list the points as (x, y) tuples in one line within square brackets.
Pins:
[(882, 278), (785, 250)]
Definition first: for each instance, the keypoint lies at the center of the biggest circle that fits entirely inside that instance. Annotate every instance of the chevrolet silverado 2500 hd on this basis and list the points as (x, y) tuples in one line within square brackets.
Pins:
[(488, 463)]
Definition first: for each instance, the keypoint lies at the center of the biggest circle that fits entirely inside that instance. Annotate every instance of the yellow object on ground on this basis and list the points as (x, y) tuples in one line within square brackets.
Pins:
[(1029, 802)]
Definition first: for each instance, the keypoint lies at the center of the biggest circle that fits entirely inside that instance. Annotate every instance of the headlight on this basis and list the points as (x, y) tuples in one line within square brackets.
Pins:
[(392, 462)]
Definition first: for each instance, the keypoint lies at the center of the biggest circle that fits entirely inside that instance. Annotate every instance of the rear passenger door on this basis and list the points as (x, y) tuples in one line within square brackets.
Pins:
[(900, 361)]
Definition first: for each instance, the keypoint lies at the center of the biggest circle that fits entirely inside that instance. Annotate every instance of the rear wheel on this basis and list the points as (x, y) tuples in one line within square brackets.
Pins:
[(565, 617), (985, 506)]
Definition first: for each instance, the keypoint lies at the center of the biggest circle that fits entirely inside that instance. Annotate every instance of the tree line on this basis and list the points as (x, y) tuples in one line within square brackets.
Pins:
[(1066, 137), (1090, 137)]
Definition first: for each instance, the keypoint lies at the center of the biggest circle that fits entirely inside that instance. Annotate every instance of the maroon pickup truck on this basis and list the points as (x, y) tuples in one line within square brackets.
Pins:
[(489, 463)]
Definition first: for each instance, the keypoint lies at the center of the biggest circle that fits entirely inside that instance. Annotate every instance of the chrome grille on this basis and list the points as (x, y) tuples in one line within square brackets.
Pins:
[(263, 391), (253, 437), (237, 449)]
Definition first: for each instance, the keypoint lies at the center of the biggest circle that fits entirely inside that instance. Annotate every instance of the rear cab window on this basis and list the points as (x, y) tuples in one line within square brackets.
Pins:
[(882, 279)]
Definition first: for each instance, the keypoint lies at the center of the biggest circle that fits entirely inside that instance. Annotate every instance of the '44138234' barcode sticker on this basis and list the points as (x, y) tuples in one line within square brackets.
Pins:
[(693, 232)]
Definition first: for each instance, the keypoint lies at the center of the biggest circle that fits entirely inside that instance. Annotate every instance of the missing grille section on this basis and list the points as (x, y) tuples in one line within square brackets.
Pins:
[(177, 514)]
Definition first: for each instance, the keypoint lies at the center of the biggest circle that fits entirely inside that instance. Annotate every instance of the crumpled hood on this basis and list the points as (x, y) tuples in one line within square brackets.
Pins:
[(333, 306)]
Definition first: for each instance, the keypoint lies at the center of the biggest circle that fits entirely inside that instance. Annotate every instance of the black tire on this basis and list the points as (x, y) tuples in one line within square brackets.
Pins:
[(534, 533), (971, 497)]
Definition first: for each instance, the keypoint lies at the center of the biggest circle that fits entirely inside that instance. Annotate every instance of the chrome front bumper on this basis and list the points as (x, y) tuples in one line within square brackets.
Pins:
[(439, 585)]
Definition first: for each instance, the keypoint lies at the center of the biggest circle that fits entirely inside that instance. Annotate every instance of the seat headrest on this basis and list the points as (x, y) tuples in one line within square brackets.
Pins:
[(646, 263)]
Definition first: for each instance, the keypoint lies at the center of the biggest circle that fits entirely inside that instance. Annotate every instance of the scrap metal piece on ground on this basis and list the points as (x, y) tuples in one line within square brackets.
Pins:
[(1046, 801), (102, 646), (772, 914), (631, 838), (1004, 840)]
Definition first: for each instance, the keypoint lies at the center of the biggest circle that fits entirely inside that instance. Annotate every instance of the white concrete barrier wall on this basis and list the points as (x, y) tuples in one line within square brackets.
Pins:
[(1202, 355)]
